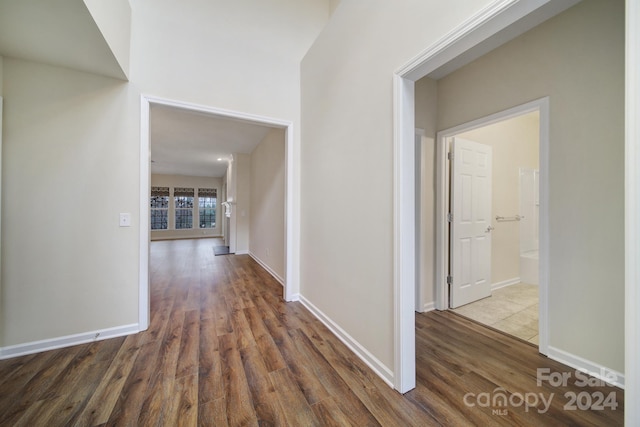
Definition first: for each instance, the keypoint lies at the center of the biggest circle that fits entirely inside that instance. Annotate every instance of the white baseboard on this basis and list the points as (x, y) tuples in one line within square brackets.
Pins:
[(294, 298), (371, 361), (430, 306), (243, 252), (266, 267), (66, 341), (161, 238), (594, 369), (505, 283)]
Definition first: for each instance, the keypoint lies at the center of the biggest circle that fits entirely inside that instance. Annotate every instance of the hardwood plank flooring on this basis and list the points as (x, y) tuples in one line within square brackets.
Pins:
[(223, 349)]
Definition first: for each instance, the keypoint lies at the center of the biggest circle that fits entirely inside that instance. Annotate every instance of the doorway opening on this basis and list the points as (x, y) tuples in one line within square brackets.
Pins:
[(492, 252), (291, 210), (487, 30)]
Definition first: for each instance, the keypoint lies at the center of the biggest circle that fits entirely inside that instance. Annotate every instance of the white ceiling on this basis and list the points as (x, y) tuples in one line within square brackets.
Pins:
[(61, 33), (186, 142)]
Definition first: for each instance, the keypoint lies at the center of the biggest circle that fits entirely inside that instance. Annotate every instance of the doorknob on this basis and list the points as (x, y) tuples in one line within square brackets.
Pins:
[(489, 228)]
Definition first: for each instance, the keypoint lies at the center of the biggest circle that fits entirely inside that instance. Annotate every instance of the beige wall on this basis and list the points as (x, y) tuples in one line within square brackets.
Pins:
[(71, 135), (514, 145), (242, 55), (242, 198), (347, 133), (113, 18), (577, 59), (194, 182), (72, 143), (70, 166), (267, 233), (333, 4), (347, 159)]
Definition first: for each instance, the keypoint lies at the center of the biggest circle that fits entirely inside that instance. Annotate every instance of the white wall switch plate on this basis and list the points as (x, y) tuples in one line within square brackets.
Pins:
[(125, 220)]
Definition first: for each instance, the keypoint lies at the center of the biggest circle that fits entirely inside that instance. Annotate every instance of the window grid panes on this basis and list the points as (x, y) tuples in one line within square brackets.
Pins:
[(184, 212), (159, 208), (207, 211), (182, 203)]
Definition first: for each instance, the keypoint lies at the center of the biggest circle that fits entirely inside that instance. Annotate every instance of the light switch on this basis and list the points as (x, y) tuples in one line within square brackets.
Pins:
[(125, 220)]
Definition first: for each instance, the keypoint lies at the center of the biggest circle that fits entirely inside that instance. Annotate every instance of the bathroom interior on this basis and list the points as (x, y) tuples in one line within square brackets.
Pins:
[(513, 305)]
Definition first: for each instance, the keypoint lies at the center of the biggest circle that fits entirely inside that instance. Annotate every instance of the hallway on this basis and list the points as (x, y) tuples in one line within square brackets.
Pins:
[(223, 349)]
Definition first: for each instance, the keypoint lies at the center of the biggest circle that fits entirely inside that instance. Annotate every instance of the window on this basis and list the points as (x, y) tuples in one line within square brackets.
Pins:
[(183, 198), (159, 208), (207, 207)]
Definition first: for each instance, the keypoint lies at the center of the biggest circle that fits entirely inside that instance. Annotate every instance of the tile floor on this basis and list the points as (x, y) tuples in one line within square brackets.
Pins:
[(512, 309)]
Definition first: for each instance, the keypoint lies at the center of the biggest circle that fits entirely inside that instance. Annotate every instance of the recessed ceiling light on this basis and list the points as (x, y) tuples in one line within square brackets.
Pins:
[(220, 159)]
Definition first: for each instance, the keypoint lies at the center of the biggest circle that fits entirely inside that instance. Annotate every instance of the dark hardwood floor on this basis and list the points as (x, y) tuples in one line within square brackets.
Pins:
[(223, 349)]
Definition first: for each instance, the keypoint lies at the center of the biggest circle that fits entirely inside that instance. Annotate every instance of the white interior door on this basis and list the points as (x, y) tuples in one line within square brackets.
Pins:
[(470, 256)]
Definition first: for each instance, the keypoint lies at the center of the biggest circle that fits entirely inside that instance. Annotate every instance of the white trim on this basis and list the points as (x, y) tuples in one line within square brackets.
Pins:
[(632, 214), (430, 306), (449, 47), (295, 297), (442, 207), (505, 283), (419, 149), (144, 303), (477, 30), (358, 349), (292, 216), (544, 256), (482, 32), (292, 238), (161, 238), (442, 232), (267, 268), (243, 252), (66, 341), (1, 291), (404, 224), (230, 114), (594, 369)]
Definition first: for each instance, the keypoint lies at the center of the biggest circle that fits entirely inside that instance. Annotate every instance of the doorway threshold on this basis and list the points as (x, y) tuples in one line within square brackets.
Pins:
[(512, 310)]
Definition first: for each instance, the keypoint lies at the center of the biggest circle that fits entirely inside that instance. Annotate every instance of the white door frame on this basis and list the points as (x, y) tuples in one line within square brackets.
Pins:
[(632, 215), (504, 19), (471, 33), (292, 208), (1, 293), (442, 206)]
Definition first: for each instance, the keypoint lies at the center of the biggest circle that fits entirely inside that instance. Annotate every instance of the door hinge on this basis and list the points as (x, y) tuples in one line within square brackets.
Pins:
[(449, 217), (449, 280), (450, 155)]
